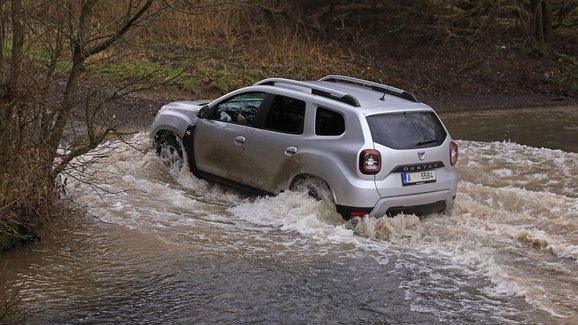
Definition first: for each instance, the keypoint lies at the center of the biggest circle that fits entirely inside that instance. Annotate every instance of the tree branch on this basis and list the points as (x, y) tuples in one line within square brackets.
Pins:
[(121, 31)]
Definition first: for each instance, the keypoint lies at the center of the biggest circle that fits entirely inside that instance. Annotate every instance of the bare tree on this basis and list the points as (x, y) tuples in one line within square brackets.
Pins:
[(37, 101)]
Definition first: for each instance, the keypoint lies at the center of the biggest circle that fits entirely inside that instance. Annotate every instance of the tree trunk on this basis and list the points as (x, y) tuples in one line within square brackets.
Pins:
[(547, 19), (10, 70), (81, 52), (542, 22)]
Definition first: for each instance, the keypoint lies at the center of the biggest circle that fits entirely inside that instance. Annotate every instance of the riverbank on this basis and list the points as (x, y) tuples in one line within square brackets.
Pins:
[(138, 110)]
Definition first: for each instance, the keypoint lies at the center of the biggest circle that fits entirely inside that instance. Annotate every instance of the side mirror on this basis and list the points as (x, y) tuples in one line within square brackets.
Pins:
[(204, 112)]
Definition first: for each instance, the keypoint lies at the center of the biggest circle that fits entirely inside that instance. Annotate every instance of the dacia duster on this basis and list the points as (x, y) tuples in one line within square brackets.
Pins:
[(366, 147)]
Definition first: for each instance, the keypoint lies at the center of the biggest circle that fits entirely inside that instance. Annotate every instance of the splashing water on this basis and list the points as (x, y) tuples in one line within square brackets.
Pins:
[(513, 232)]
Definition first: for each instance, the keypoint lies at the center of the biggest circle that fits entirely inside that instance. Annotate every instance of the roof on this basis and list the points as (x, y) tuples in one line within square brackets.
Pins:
[(355, 92)]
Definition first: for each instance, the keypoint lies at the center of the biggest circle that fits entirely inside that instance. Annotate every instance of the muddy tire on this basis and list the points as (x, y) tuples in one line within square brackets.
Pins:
[(316, 187), (320, 191), (169, 150)]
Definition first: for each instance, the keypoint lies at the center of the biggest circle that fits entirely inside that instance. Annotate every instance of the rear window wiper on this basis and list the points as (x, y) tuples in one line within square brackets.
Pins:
[(421, 143)]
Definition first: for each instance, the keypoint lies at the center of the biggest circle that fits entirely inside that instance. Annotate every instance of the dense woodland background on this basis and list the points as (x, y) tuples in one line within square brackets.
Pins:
[(431, 47), (64, 65)]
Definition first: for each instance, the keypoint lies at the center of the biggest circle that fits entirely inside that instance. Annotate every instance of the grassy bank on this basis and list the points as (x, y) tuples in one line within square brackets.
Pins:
[(203, 74), (212, 51)]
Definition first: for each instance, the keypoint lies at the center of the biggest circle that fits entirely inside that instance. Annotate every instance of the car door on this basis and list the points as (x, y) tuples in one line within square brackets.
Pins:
[(220, 141), (272, 152)]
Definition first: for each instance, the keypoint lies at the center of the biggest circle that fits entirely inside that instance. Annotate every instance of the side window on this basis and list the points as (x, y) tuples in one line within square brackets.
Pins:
[(285, 115), (239, 109), (328, 122)]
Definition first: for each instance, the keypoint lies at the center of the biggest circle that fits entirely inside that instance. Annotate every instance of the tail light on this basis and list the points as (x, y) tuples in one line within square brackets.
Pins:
[(453, 153), (358, 214), (370, 162)]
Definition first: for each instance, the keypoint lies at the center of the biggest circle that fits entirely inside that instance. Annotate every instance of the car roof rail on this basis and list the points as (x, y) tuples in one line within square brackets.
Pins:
[(373, 85), (315, 90)]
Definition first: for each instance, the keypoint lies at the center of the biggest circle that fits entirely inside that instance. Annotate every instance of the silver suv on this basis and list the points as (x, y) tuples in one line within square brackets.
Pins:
[(368, 148)]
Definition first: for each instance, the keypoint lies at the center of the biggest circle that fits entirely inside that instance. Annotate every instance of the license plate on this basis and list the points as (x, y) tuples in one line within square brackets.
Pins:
[(428, 176)]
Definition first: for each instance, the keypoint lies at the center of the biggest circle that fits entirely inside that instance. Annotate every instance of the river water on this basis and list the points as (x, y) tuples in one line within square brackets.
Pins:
[(161, 246)]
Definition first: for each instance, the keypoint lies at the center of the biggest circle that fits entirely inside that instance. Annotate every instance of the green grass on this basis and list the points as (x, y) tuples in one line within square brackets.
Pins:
[(221, 69), (148, 72), (6, 242), (41, 57)]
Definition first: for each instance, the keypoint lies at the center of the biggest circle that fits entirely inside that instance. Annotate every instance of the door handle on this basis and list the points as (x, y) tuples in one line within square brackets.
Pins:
[(240, 140), (289, 151)]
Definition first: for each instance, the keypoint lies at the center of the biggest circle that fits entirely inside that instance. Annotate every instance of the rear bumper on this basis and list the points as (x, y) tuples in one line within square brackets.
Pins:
[(418, 204), (422, 203)]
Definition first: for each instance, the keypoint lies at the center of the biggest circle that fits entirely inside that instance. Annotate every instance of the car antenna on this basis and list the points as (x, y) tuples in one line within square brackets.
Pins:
[(385, 91)]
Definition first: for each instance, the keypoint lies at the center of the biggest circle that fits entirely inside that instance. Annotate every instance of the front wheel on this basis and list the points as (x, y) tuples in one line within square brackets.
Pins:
[(169, 150)]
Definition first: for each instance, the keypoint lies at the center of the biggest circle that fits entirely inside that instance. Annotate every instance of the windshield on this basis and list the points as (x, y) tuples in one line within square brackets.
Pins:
[(409, 130)]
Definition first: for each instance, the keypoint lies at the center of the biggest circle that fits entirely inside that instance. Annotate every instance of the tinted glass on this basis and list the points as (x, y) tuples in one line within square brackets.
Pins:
[(407, 130), (285, 115), (328, 122), (239, 109)]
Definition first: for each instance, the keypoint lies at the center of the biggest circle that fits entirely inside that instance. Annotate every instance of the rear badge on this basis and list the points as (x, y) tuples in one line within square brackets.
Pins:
[(418, 167), (421, 155)]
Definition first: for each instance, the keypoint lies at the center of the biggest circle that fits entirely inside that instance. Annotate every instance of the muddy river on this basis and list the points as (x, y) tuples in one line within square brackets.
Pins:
[(160, 246)]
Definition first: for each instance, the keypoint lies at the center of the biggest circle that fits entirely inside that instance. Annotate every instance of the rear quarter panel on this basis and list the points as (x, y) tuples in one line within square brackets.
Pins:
[(335, 158)]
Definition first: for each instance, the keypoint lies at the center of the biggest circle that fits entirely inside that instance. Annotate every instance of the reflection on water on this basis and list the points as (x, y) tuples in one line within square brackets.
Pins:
[(166, 247), (552, 127)]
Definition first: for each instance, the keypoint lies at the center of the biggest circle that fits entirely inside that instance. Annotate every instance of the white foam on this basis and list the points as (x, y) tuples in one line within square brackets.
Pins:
[(501, 164), (514, 227)]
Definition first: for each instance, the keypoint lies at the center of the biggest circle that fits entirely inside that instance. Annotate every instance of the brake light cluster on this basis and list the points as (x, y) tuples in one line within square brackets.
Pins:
[(370, 159), (453, 153), (370, 162)]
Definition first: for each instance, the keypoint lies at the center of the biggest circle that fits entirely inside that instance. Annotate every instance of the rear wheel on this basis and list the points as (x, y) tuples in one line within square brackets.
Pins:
[(320, 191), (316, 187), (169, 149)]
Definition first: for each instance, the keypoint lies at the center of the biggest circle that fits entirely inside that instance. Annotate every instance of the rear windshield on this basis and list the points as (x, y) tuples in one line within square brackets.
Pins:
[(410, 130)]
